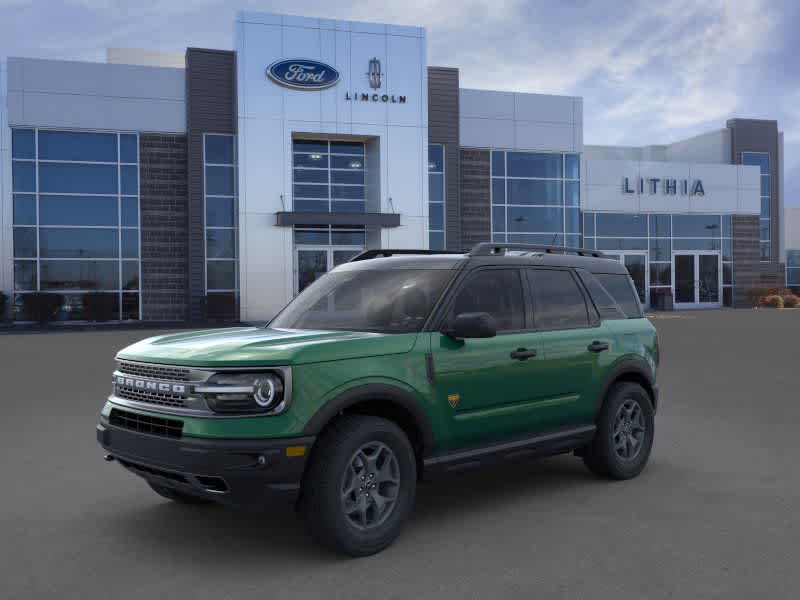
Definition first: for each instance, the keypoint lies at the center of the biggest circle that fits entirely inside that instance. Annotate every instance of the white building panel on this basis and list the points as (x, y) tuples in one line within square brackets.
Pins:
[(486, 133), (545, 136), (485, 104)]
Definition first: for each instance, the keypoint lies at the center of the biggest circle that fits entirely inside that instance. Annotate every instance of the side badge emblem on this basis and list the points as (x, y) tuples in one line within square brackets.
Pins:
[(453, 399)]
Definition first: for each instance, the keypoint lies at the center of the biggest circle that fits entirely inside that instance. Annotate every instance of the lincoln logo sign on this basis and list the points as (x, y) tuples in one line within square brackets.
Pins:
[(302, 74), (669, 187)]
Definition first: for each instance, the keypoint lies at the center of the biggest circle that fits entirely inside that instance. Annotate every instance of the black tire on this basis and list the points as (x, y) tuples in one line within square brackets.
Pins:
[(176, 496), (334, 466), (606, 455)]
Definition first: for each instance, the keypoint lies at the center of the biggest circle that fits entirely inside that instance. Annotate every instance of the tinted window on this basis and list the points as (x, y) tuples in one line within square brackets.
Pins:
[(621, 289), (529, 164), (219, 149), (77, 210), (73, 145), (606, 305), (66, 178), (497, 292), (557, 300), (618, 224)]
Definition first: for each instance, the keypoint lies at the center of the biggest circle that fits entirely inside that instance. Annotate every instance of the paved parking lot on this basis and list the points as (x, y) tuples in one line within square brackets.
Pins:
[(715, 515)]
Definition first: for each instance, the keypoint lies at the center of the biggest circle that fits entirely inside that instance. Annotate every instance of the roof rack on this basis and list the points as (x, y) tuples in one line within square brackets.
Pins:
[(489, 249), (376, 252)]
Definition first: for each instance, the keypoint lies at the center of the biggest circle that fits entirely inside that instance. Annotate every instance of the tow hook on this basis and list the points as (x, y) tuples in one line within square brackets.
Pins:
[(108, 457)]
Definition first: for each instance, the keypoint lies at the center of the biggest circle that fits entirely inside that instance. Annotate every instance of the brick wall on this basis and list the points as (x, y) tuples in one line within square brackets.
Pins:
[(165, 231), (476, 216)]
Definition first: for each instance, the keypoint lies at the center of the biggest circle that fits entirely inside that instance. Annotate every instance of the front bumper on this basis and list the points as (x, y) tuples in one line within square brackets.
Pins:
[(247, 473)]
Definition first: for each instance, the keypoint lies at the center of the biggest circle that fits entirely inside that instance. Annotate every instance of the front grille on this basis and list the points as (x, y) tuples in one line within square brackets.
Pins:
[(172, 428), (154, 371), (160, 398)]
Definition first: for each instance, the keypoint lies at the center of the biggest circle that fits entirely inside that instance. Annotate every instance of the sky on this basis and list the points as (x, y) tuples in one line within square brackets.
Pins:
[(650, 72)]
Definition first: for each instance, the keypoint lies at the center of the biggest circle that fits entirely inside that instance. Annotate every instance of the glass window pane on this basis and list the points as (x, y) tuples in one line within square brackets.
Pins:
[(219, 212), (435, 158), (661, 274), (525, 219), (77, 210), (727, 297), (573, 241), (311, 237), (25, 275), (498, 163), (625, 225), (23, 143), (345, 162), (311, 205), (352, 177), (793, 277), (436, 240), (219, 149), (765, 185), (318, 161), (79, 275), (573, 166), (221, 274), (621, 289), (348, 238), (765, 208), (310, 191), (696, 225), (23, 176), (759, 159), (348, 192), (347, 148), (24, 209), (130, 243), (727, 273), (310, 146), (622, 243), (557, 300), (660, 226), (130, 274), (531, 164), (793, 258), (436, 187), (498, 191), (499, 238), (311, 175), (589, 242), (727, 226), (498, 218), (436, 216), (660, 249), (130, 212), (220, 243), (128, 148), (129, 180), (572, 190), (526, 191), (219, 181), (727, 249), (348, 206), (766, 251), (77, 179), (497, 292), (572, 220), (588, 224), (130, 307), (763, 229), (77, 145), (25, 242), (56, 242), (695, 244)]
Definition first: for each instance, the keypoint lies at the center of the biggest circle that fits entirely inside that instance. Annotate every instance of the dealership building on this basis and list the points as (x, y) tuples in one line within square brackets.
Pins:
[(218, 184)]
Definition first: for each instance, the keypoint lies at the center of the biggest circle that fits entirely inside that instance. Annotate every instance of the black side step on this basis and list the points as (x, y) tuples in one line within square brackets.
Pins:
[(547, 444)]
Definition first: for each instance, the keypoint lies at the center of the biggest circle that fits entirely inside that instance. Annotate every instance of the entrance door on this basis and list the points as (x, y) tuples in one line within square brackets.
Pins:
[(636, 263), (697, 279), (311, 263)]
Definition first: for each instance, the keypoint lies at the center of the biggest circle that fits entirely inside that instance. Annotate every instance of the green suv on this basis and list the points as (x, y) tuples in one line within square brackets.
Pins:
[(395, 366)]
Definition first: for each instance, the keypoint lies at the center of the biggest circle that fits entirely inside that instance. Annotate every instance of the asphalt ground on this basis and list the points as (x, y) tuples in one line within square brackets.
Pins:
[(714, 515)]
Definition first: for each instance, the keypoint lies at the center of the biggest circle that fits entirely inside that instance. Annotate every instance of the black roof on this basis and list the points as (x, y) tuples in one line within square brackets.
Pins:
[(489, 254)]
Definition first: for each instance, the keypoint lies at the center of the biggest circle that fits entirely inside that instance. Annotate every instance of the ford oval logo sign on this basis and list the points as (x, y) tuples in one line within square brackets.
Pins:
[(303, 74)]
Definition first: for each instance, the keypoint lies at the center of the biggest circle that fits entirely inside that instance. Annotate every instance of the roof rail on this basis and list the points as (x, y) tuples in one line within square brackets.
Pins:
[(489, 249), (376, 252)]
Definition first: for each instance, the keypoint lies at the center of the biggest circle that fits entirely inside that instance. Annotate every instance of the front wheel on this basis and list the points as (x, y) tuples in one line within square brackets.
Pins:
[(360, 486), (624, 437)]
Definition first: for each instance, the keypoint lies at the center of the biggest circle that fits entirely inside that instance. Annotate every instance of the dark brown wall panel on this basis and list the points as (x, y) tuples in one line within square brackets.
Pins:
[(476, 218)]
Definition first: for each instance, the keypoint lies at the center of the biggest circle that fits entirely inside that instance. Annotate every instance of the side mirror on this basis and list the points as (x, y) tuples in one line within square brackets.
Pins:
[(472, 325)]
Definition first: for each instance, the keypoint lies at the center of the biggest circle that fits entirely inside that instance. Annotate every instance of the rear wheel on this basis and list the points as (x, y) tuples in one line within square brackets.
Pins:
[(176, 496), (624, 437), (360, 486)]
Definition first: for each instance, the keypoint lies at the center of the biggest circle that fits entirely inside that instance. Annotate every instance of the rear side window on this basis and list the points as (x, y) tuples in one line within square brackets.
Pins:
[(494, 291), (606, 305), (621, 289), (558, 302)]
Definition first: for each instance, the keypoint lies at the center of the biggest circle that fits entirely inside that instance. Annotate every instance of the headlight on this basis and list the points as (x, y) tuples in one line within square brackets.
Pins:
[(244, 393)]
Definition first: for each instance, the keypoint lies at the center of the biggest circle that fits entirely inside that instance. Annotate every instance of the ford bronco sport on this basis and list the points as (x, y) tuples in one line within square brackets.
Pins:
[(397, 365)]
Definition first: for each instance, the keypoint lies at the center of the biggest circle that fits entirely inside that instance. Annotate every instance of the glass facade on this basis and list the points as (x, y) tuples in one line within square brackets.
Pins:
[(535, 198), (658, 236), (436, 197), (219, 158), (793, 269), (761, 160), (76, 219), (328, 176)]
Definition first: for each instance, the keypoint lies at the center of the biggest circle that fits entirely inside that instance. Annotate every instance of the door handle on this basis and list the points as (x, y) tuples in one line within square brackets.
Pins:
[(596, 346), (523, 354)]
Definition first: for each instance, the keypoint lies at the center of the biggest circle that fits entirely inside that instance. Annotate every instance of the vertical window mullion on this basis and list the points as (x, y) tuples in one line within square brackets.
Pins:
[(119, 230)]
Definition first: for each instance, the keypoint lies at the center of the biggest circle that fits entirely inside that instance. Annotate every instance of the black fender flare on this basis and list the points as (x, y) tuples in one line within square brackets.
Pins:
[(375, 392), (628, 367)]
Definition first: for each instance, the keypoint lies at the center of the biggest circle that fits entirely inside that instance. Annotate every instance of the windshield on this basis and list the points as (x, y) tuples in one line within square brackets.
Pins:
[(389, 301)]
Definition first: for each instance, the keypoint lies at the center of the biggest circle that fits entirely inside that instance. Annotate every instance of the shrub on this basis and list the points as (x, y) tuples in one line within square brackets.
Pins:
[(773, 301), (98, 306), (41, 306), (790, 301), (3, 306)]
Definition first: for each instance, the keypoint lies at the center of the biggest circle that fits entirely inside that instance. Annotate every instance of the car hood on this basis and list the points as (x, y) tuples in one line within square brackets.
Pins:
[(256, 346)]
